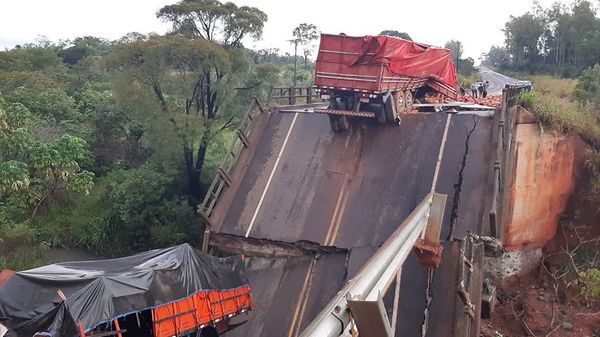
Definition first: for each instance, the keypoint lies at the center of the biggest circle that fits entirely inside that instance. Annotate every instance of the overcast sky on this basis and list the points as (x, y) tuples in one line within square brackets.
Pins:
[(477, 24)]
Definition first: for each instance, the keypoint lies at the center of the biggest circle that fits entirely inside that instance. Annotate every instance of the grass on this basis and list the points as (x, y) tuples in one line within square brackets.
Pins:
[(553, 104)]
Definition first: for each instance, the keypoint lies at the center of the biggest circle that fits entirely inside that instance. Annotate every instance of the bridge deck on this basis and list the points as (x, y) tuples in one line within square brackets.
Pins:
[(352, 190)]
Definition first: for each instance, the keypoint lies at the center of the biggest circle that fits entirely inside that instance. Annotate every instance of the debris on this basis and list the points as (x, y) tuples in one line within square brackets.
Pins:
[(493, 247), (466, 299), (488, 299), (429, 255), (239, 245)]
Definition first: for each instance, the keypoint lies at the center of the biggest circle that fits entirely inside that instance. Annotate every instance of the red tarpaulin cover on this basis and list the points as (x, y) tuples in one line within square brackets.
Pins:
[(408, 58)]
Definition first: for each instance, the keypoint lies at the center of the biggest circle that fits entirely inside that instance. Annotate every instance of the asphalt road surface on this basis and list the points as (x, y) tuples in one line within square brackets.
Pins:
[(497, 80), (352, 190)]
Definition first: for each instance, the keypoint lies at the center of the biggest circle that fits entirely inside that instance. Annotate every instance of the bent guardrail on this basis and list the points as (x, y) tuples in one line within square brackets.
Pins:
[(223, 177)]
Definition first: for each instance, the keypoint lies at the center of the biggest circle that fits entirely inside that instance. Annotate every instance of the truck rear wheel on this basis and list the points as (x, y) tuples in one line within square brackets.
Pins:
[(400, 101), (208, 332), (333, 122), (343, 123), (408, 100), (390, 108), (380, 114)]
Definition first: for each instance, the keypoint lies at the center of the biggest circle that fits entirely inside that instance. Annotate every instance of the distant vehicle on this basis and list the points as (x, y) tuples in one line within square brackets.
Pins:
[(523, 83), (379, 76), (175, 291)]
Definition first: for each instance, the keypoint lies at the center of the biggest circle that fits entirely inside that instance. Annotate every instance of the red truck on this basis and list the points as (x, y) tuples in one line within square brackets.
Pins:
[(176, 291), (379, 76)]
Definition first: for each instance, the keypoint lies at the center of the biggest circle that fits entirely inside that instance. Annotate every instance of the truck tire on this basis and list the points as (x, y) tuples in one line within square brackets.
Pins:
[(333, 122), (400, 102), (343, 123), (380, 114), (390, 109), (408, 99), (208, 332)]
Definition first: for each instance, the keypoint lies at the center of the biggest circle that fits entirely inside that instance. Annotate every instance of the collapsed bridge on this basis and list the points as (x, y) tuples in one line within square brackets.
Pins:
[(289, 178)]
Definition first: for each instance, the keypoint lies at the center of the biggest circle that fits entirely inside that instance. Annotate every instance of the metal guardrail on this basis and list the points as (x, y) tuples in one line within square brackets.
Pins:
[(291, 94), (363, 294), (510, 97), (223, 176)]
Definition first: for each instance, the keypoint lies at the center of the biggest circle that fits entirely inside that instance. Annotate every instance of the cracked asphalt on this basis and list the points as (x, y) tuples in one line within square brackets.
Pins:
[(352, 190)]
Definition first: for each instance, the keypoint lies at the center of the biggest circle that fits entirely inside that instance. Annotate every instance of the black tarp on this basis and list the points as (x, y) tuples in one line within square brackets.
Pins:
[(99, 291)]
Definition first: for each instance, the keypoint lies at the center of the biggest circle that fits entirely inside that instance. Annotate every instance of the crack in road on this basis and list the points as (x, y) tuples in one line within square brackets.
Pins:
[(453, 220), (458, 185), (250, 246), (428, 300)]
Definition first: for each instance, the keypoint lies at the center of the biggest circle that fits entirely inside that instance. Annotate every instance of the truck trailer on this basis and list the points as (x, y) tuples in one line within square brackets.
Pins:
[(379, 77), (170, 292)]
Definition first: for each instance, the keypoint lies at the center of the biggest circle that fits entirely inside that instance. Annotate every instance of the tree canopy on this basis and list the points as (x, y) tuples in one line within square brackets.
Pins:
[(212, 20), (560, 38)]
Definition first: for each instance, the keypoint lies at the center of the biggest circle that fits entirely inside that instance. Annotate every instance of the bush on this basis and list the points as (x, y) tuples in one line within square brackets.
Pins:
[(590, 283), (587, 91), (129, 211), (527, 99), (19, 248)]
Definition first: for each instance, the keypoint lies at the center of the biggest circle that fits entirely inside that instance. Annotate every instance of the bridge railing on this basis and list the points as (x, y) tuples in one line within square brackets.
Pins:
[(292, 95), (361, 300), (223, 177), (504, 125)]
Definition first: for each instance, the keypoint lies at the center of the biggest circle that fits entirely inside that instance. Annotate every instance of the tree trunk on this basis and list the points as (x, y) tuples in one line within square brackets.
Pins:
[(160, 97), (193, 175), (295, 63)]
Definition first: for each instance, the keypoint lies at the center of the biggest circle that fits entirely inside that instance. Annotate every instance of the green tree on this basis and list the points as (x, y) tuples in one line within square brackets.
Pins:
[(497, 57), (395, 33), (522, 38), (302, 35), (561, 39), (145, 213), (29, 59), (32, 171), (224, 23), (83, 47), (456, 47), (587, 90), (198, 77)]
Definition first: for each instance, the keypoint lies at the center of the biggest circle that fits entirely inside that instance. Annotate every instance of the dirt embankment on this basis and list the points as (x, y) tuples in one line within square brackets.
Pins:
[(548, 215), (545, 167), (532, 305)]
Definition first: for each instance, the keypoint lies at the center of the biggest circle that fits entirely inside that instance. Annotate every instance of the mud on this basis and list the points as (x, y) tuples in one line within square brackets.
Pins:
[(529, 306)]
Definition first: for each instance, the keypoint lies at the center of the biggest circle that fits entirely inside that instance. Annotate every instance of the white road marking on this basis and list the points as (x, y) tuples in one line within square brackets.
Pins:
[(262, 197), (439, 162)]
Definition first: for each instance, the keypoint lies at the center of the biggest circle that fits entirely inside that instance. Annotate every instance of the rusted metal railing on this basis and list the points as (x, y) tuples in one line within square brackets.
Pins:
[(292, 95), (470, 283), (505, 123), (223, 177)]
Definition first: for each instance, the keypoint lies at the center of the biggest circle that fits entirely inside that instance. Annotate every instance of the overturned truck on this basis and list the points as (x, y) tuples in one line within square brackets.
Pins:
[(176, 291), (379, 77)]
